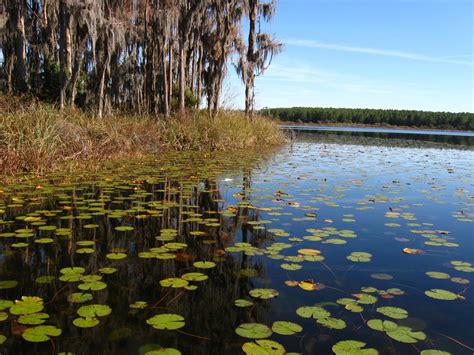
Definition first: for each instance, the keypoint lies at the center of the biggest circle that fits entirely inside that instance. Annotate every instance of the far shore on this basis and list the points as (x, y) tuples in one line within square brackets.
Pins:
[(360, 125)]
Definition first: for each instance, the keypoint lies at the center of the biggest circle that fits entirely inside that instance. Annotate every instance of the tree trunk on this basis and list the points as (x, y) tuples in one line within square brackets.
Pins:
[(182, 77), (20, 48)]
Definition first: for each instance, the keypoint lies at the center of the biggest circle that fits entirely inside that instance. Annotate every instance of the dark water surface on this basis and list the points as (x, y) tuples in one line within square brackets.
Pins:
[(283, 222)]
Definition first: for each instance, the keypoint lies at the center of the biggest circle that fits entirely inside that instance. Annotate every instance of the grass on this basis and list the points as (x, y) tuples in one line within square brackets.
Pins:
[(36, 138)]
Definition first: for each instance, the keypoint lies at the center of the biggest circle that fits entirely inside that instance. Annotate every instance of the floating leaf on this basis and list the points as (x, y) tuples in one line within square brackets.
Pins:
[(194, 276), (87, 322), (253, 330), (116, 256), (79, 297), (204, 264), (243, 303), (33, 319), (412, 251), (264, 293), (332, 323), (406, 335), (263, 347), (441, 294), (41, 333), (438, 275), (359, 256), (286, 328), (8, 284), (167, 321), (27, 305), (352, 347), (312, 312), (393, 312), (94, 310), (173, 282)]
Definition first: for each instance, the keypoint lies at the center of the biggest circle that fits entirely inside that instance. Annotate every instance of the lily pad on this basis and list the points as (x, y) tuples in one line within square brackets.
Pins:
[(286, 328), (332, 323), (263, 347), (393, 312), (312, 312), (441, 294), (94, 310), (167, 321), (204, 264), (243, 303), (41, 333), (253, 330), (27, 305), (174, 282), (87, 322), (352, 347), (264, 293)]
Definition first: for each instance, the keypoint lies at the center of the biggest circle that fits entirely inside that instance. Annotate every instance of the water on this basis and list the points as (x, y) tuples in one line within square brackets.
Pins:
[(333, 194)]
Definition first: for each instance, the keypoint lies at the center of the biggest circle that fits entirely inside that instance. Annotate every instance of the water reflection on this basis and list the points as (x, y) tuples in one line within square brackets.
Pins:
[(400, 139)]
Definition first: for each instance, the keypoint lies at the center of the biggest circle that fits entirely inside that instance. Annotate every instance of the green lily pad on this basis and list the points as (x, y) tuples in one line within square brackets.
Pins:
[(108, 270), (352, 347), (93, 286), (264, 293), (41, 333), (164, 351), (286, 328), (393, 312), (139, 305), (253, 330), (116, 256), (33, 319), (359, 256), (204, 264), (312, 312), (243, 303), (124, 228), (87, 322), (332, 323), (173, 282), (194, 276), (441, 294), (263, 347), (166, 321), (382, 326), (434, 352), (291, 267), (4, 304), (406, 335), (438, 275), (27, 305), (79, 297), (8, 284), (94, 310)]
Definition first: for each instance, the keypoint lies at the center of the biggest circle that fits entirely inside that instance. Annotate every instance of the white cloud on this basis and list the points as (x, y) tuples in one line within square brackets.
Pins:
[(374, 51)]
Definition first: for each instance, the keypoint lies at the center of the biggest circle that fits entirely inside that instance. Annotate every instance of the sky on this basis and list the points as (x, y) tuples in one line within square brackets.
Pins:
[(399, 54)]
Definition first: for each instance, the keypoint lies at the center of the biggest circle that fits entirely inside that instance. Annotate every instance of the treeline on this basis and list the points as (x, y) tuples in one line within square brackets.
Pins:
[(145, 56), (410, 118)]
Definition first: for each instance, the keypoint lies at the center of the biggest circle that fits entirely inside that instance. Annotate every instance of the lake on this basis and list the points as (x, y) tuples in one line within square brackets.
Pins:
[(339, 242)]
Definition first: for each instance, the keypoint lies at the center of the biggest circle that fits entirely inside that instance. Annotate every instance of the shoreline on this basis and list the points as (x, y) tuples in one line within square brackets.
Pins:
[(361, 125)]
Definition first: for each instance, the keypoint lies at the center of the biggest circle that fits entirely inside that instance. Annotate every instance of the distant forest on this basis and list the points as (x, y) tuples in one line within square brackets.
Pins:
[(462, 121)]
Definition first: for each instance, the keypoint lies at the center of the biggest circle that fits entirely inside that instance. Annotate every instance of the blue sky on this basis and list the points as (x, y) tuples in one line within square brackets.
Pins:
[(402, 54)]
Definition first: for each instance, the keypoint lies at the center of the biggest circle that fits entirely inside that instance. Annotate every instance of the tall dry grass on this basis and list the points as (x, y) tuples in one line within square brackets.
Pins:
[(36, 138)]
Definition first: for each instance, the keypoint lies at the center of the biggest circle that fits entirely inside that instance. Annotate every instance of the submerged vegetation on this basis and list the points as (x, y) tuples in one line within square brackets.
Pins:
[(408, 118), (36, 137)]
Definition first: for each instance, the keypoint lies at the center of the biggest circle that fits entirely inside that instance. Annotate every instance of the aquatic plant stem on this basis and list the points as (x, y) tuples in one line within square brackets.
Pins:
[(193, 335), (456, 341)]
